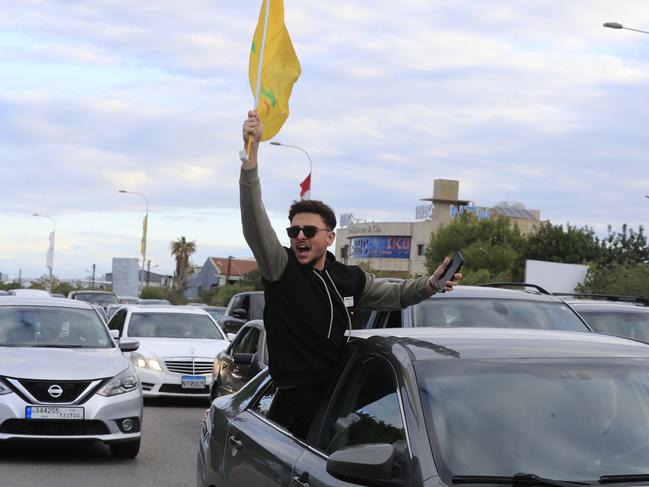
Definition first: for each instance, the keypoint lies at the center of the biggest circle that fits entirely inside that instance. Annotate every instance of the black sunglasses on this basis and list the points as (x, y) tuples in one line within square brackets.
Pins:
[(308, 230)]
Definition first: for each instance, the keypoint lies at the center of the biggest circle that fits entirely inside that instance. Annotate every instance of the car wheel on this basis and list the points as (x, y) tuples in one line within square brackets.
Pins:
[(127, 449)]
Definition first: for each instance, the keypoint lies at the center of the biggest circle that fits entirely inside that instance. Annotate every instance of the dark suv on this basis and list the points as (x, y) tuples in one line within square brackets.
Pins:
[(614, 315), (480, 306), (243, 307)]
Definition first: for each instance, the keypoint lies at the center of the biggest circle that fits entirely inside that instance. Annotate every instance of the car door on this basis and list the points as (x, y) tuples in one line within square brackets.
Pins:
[(242, 371), (228, 366), (259, 452), (364, 408)]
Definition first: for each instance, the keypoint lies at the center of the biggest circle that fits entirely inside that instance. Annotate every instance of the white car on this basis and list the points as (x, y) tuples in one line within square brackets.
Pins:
[(178, 346), (63, 377)]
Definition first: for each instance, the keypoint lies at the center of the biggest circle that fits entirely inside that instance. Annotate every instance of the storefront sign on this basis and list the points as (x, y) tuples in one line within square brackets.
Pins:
[(380, 247)]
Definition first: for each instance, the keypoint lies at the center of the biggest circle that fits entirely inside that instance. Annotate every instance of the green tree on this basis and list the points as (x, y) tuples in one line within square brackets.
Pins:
[(618, 279), (490, 247), (253, 279), (181, 250), (625, 247)]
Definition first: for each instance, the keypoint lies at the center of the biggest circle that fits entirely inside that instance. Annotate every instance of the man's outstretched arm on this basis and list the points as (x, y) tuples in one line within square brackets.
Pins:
[(270, 255)]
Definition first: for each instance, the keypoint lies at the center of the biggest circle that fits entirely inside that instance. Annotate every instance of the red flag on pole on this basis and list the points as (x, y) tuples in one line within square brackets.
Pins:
[(305, 188)]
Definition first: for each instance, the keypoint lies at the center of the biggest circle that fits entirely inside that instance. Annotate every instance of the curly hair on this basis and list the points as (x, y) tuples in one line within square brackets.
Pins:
[(313, 206)]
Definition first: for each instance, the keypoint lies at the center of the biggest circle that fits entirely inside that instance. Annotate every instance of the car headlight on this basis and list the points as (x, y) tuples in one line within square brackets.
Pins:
[(145, 363), (125, 381), (4, 388)]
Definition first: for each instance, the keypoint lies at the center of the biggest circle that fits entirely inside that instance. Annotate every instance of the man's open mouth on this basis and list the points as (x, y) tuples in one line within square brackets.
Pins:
[(302, 249)]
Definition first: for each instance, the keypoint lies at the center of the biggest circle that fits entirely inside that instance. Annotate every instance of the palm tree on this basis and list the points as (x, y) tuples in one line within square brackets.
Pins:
[(181, 249)]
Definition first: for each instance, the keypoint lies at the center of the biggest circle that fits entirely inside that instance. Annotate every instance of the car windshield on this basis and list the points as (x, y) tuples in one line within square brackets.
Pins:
[(566, 419), (216, 313), (624, 323), (498, 313), (173, 325), (34, 326), (98, 299)]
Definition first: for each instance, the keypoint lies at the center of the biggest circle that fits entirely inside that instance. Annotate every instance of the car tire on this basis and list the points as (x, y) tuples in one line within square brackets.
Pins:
[(127, 449)]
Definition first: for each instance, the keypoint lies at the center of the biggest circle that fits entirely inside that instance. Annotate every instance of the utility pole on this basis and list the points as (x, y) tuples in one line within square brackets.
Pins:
[(20, 277), (148, 272), (93, 275), (227, 272)]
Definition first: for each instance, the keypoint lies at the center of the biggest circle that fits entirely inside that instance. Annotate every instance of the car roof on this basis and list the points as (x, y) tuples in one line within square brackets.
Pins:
[(596, 305), (487, 292), (166, 308), (491, 343), (91, 291), (49, 302)]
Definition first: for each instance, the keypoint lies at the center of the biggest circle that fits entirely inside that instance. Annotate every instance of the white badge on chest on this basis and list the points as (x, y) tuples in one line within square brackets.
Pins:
[(349, 301)]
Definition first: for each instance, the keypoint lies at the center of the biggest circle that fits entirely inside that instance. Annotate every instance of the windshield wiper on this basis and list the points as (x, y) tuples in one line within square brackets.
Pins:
[(632, 477), (523, 479)]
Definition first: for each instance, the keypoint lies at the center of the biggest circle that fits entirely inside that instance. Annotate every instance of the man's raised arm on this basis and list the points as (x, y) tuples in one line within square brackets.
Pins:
[(270, 255)]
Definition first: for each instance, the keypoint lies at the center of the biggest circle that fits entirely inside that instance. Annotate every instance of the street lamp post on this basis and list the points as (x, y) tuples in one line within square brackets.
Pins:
[(50, 250), (306, 184), (617, 25), (144, 229)]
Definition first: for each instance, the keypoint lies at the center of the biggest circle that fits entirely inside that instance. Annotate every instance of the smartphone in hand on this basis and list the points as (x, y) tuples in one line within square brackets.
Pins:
[(452, 268)]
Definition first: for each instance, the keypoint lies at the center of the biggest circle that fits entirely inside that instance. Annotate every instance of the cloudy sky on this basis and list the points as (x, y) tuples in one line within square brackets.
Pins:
[(519, 100)]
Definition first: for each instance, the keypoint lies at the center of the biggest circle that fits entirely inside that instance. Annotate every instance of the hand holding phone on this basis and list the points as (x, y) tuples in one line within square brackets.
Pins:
[(452, 268)]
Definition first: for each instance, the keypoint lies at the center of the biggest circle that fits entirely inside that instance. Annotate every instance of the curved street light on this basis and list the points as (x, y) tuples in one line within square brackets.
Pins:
[(145, 224), (307, 182), (50, 249), (617, 25)]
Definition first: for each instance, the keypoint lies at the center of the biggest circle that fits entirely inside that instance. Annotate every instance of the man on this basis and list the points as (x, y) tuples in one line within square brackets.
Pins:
[(308, 294)]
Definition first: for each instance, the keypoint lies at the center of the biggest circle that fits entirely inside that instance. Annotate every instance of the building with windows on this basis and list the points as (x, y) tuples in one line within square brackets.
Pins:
[(217, 271), (400, 246)]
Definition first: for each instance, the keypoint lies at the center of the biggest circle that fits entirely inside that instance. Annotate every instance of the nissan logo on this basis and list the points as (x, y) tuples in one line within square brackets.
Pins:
[(55, 391)]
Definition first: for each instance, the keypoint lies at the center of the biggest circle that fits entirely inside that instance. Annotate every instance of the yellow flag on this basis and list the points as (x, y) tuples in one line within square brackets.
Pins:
[(143, 244), (280, 68)]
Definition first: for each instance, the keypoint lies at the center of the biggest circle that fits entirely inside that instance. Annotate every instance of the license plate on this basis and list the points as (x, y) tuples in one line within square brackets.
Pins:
[(192, 382), (49, 412)]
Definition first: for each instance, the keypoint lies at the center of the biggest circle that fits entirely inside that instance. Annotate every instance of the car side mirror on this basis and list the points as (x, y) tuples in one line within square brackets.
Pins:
[(114, 334), (367, 464), (240, 313), (243, 358), (230, 336), (128, 345)]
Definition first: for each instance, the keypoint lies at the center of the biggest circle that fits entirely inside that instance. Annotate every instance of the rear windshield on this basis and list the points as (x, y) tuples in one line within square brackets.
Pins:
[(499, 313), (626, 324), (33, 326), (98, 299), (173, 325)]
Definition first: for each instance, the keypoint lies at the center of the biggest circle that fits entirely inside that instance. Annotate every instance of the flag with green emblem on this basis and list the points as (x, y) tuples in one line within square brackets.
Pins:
[(273, 53)]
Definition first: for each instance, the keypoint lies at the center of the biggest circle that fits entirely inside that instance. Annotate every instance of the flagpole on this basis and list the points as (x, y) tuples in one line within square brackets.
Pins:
[(261, 60)]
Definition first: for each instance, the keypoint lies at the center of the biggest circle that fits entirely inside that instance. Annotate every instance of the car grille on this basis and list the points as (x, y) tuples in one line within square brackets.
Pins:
[(71, 390), (147, 386), (46, 427), (177, 389), (189, 366)]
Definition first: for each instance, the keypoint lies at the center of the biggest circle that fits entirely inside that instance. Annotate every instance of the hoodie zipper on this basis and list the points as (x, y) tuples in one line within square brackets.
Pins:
[(331, 304), (349, 318)]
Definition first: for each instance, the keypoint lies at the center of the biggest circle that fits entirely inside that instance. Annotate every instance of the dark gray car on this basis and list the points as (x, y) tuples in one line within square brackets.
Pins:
[(246, 356), (479, 306), (434, 407), (615, 317)]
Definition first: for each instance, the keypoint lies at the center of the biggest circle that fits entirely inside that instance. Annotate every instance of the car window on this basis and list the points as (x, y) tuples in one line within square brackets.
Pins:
[(500, 313), (239, 339), (262, 405), (33, 326), (249, 342), (117, 321), (365, 408), (627, 324), (173, 325)]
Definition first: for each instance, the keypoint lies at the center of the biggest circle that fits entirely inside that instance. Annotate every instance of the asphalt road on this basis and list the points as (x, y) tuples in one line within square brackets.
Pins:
[(167, 457)]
